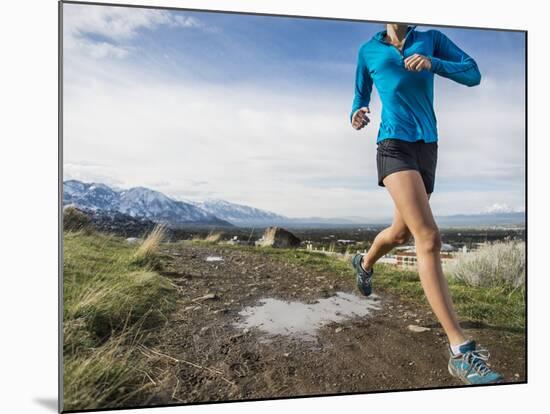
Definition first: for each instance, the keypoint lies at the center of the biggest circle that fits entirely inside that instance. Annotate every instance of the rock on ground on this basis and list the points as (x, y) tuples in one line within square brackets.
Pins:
[(278, 237)]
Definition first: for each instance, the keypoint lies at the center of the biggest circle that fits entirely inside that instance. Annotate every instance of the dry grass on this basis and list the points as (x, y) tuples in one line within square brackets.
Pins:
[(111, 303), (75, 219), (268, 238), (278, 237), (150, 246), (500, 264), (347, 255), (106, 376), (214, 237)]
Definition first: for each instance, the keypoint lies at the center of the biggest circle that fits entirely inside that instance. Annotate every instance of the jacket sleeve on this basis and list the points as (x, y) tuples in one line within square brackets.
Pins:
[(363, 85), (451, 62)]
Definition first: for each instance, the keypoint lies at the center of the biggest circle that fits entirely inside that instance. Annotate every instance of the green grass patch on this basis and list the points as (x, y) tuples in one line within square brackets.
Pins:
[(502, 307), (314, 261), (111, 303)]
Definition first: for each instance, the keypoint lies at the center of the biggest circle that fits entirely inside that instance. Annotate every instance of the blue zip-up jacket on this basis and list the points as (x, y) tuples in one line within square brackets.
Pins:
[(407, 96)]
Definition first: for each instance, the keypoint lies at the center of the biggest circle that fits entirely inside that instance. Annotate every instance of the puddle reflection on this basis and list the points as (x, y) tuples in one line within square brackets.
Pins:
[(279, 317)]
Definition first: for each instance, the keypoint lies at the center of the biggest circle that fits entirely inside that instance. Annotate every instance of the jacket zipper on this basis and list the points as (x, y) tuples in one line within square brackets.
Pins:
[(401, 52)]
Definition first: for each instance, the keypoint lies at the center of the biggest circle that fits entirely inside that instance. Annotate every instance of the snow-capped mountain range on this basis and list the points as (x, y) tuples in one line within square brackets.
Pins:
[(156, 206), (239, 214), (140, 202), (137, 202)]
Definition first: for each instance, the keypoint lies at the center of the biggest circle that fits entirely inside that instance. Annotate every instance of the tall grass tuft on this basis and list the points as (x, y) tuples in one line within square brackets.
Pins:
[(75, 219), (150, 246), (214, 237), (500, 264), (108, 375), (111, 303)]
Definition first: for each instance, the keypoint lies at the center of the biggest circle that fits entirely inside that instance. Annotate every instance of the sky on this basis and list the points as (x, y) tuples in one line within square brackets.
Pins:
[(255, 110)]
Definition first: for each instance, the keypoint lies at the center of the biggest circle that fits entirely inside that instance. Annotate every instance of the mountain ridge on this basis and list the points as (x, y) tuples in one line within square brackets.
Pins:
[(157, 206), (137, 202)]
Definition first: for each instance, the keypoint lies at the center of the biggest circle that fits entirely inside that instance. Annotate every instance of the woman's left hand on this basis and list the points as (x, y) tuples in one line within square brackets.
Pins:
[(417, 63)]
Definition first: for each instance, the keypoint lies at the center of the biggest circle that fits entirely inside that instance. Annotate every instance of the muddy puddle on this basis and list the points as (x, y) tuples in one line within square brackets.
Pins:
[(279, 317)]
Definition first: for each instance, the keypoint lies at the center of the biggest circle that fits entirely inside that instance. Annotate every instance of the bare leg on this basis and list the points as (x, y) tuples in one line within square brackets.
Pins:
[(392, 236), (409, 195)]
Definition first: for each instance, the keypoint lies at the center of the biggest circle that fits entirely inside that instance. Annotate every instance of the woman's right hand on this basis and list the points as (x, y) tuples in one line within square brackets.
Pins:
[(360, 119)]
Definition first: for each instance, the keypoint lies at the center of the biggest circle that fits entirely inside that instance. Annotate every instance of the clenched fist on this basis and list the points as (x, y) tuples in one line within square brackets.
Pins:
[(360, 119), (417, 63)]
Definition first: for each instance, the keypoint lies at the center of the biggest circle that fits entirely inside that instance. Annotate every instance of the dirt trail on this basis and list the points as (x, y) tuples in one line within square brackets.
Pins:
[(219, 361)]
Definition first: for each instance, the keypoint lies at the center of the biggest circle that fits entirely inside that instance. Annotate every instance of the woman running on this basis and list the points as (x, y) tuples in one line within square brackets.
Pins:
[(401, 63)]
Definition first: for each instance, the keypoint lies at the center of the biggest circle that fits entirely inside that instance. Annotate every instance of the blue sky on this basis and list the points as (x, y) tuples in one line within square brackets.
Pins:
[(286, 50), (255, 110)]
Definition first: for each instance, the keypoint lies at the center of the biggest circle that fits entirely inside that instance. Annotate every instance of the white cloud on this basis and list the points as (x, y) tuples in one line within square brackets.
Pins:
[(115, 24), (291, 151), (481, 130), (88, 172), (99, 50), (502, 208), (250, 146), (474, 201), (184, 21)]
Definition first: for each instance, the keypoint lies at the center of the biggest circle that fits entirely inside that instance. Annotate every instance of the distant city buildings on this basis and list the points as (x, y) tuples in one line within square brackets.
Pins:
[(405, 256)]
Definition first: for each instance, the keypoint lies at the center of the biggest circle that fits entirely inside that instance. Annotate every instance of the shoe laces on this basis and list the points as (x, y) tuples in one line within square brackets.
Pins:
[(477, 361)]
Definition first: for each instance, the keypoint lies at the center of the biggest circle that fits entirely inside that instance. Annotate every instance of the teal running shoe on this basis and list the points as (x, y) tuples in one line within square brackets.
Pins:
[(471, 367), (364, 278)]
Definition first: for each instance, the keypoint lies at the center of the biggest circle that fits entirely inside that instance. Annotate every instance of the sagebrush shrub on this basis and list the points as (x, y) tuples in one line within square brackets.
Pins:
[(500, 264)]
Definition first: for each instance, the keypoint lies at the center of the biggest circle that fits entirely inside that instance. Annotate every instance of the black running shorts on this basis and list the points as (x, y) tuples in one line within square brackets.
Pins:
[(394, 155)]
